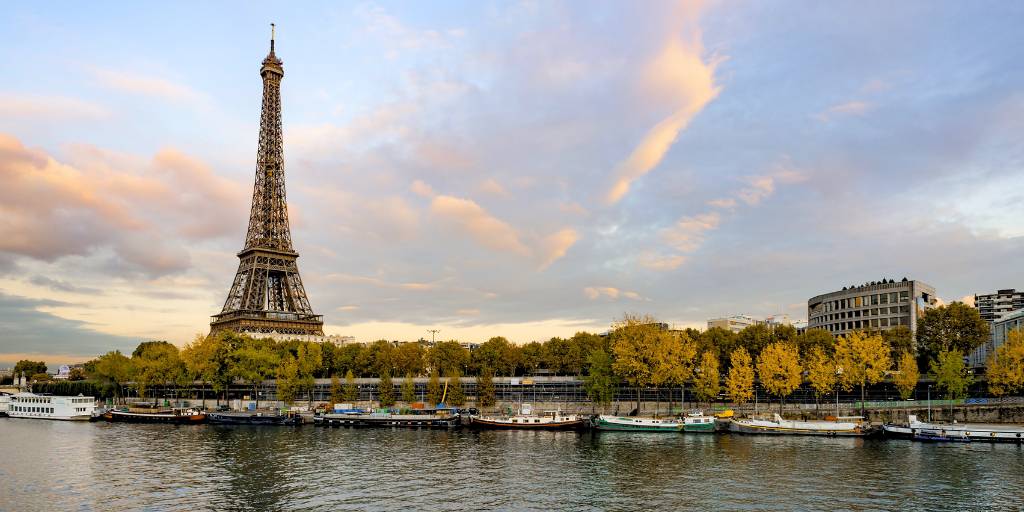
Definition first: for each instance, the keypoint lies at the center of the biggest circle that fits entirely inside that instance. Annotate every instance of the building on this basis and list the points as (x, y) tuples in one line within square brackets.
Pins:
[(735, 323), (874, 306), (336, 339), (997, 336), (994, 305), (267, 295)]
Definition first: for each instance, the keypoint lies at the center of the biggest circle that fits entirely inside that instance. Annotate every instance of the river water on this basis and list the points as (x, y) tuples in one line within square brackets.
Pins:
[(51, 465)]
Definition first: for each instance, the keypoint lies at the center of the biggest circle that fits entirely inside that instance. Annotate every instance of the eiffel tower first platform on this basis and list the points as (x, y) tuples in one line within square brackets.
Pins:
[(267, 295)]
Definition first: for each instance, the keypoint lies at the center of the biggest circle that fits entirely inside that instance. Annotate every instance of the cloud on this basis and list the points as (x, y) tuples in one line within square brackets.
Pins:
[(849, 108), (144, 85), (62, 286), (492, 187), (724, 203), (688, 233), (422, 189), (137, 209), (680, 78), (661, 262), (30, 107), (485, 229), (608, 292), (555, 245), (399, 36)]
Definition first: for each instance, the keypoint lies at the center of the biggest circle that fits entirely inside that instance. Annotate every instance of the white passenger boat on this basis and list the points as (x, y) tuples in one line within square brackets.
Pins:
[(5, 402), (526, 419), (848, 428), (955, 432), (51, 407)]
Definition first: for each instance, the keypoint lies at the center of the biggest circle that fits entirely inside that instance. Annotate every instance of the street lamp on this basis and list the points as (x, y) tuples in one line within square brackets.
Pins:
[(839, 373), (929, 403)]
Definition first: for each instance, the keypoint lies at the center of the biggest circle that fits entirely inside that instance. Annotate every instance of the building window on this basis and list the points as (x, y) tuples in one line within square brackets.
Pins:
[(904, 296), (883, 322)]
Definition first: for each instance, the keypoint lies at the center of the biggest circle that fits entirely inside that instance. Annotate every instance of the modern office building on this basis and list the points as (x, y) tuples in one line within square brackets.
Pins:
[(735, 323), (997, 336), (994, 305), (875, 306)]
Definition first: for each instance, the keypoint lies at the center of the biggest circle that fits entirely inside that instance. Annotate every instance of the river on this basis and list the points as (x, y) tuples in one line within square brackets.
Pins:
[(50, 465)]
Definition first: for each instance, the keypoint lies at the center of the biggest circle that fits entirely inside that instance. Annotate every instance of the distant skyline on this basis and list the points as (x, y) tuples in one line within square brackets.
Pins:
[(523, 169)]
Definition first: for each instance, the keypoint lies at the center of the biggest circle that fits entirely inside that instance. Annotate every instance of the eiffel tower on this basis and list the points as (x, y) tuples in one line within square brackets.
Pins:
[(267, 294)]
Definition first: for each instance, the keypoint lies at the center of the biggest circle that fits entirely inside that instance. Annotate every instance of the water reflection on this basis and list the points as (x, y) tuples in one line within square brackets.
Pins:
[(54, 465)]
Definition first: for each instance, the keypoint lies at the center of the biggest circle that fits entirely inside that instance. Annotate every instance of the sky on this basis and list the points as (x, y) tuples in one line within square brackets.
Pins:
[(524, 169)]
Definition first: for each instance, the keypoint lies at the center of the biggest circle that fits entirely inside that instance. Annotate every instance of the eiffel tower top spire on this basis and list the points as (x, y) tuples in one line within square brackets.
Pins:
[(268, 219)]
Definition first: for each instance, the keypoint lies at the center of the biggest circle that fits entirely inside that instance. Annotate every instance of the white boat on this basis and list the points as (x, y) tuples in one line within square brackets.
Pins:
[(526, 419), (634, 423), (796, 427), (51, 407), (5, 402), (958, 432)]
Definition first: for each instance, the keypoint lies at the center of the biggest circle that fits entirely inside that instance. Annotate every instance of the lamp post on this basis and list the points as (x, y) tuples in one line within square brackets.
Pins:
[(433, 332), (839, 374), (929, 403)]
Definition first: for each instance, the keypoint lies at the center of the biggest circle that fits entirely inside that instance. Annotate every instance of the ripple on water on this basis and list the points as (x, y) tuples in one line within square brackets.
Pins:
[(99, 466)]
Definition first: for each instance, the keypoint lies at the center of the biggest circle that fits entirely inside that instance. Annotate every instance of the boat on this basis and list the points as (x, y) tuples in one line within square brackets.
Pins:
[(252, 418), (5, 402), (955, 432), (853, 427), (178, 416), (698, 422), (50, 407), (637, 424), (527, 420), (414, 418)]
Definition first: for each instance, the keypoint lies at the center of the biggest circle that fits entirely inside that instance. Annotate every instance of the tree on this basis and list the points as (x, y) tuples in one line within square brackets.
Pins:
[(348, 358), (351, 393), (76, 374), (815, 338), (41, 377), (156, 363), (951, 374), (674, 355), (381, 356), (635, 344), (115, 368), (900, 340), (456, 395), (956, 326), (337, 393), (755, 338), (1006, 365), (863, 359), (721, 341), (600, 380), (495, 354), (448, 356), (253, 361), (485, 393), (907, 375), (740, 381), (434, 387), (821, 372), (386, 391), (288, 379), (778, 367), (532, 356), (706, 382), (29, 368), (206, 359), (408, 389), (308, 361), (410, 358)]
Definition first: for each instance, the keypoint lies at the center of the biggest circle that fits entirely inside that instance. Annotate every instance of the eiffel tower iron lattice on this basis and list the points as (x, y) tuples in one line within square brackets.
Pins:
[(267, 293)]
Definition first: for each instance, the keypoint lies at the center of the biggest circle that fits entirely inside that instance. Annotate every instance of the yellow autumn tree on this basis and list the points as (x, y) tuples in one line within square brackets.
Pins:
[(706, 381), (675, 353), (778, 367), (821, 372), (863, 359), (740, 381), (634, 341), (906, 375), (1006, 365)]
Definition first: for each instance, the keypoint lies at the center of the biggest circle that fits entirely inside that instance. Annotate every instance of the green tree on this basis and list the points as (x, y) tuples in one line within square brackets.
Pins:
[(349, 358), (381, 355), (778, 367), (863, 359), (815, 338), (1006, 365), (434, 387), (586, 343), (386, 390), (600, 380), (29, 368), (115, 368), (337, 393), (410, 358), (76, 374), (288, 379), (740, 381), (956, 326), (907, 375), (485, 392), (706, 383), (721, 341), (351, 393), (951, 374), (308, 359), (156, 364), (532, 357), (821, 372), (253, 361), (755, 338), (496, 354), (900, 340), (408, 389), (456, 395), (448, 356), (41, 377)]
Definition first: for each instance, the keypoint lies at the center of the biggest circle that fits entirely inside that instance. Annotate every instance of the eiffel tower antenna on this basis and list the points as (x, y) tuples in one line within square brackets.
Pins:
[(267, 293)]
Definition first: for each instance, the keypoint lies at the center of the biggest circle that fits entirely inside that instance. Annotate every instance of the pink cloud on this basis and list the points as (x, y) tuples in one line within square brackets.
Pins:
[(485, 229)]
